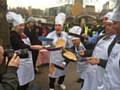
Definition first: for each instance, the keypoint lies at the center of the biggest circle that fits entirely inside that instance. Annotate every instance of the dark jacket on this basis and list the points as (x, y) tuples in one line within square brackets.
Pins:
[(9, 79), (34, 41), (17, 42), (32, 36)]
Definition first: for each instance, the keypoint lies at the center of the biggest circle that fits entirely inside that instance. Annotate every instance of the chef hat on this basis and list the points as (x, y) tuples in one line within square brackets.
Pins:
[(116, 12), (60, 19), (116, 15), (75, 32), (30, 19), (15, 19), (109, 15)]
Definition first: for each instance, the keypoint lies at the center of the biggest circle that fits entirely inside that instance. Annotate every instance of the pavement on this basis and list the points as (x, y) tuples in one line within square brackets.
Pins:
[(72, 76)]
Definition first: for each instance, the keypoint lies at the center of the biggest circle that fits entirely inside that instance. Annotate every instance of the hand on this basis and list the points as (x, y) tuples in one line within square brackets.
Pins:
[(36, 47), (14, 61), (93, 60), (63, 65), (82, 52)]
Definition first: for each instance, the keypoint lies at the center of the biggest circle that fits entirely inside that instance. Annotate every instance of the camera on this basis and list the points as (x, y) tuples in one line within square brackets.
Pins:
[(22, 53)]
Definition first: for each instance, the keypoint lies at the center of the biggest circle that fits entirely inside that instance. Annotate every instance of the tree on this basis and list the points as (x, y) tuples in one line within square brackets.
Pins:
[(4, 30)]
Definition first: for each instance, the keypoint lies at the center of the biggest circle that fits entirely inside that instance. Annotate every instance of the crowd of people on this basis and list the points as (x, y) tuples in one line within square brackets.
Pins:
[(96, 51)]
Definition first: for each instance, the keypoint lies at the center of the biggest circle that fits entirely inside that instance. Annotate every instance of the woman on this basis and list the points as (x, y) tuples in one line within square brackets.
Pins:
[(20, 41)]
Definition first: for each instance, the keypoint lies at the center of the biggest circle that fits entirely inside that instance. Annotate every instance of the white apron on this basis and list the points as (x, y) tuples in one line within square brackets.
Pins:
[(26, 71), (111, 79), (56, 56), (57, 59), (93, 76)]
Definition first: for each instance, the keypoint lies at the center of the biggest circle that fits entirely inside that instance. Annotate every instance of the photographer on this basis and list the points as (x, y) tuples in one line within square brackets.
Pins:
[(8, 73), (21, 43)]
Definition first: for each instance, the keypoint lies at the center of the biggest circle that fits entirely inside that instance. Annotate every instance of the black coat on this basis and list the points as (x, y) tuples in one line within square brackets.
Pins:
[(34, 41), (16, 41), (9, 79), (32, 36)]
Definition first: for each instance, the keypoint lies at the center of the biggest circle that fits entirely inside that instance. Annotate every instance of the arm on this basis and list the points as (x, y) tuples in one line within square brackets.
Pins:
[(16, 41), (9, 79), (98, 61)]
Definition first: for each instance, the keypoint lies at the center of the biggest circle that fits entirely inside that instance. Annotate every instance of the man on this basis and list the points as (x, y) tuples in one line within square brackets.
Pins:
[(94, 73), (31, 33), (8, 77), (55, 55), (85, 30), (111, 79), (77, 46)]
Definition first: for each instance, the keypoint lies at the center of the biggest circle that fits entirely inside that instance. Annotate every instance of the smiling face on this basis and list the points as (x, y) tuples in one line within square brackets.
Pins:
[(20, 28), (108, 28)]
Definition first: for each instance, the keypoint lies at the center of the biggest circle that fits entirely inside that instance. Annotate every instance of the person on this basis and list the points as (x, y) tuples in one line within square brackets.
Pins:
[(21, 43), (85, 30), (8, 72), (55, 55), (111, 79), (94, 73), (30, 32), (76, 48)]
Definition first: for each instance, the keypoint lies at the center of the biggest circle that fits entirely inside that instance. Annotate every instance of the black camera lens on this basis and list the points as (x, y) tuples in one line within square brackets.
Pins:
[(9, 53)]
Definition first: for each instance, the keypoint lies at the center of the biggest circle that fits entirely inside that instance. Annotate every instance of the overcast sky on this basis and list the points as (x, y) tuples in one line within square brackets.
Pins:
[(42, 4)]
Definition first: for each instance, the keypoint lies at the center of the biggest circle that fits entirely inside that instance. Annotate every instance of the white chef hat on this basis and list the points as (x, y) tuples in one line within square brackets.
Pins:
[(75, 32), (116, 15), (31, 19), (15, 19), (109, 15), (116, 11), (60, 18)]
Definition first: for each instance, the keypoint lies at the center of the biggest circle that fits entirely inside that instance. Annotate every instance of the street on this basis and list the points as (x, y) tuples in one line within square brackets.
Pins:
[(42, 79)]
